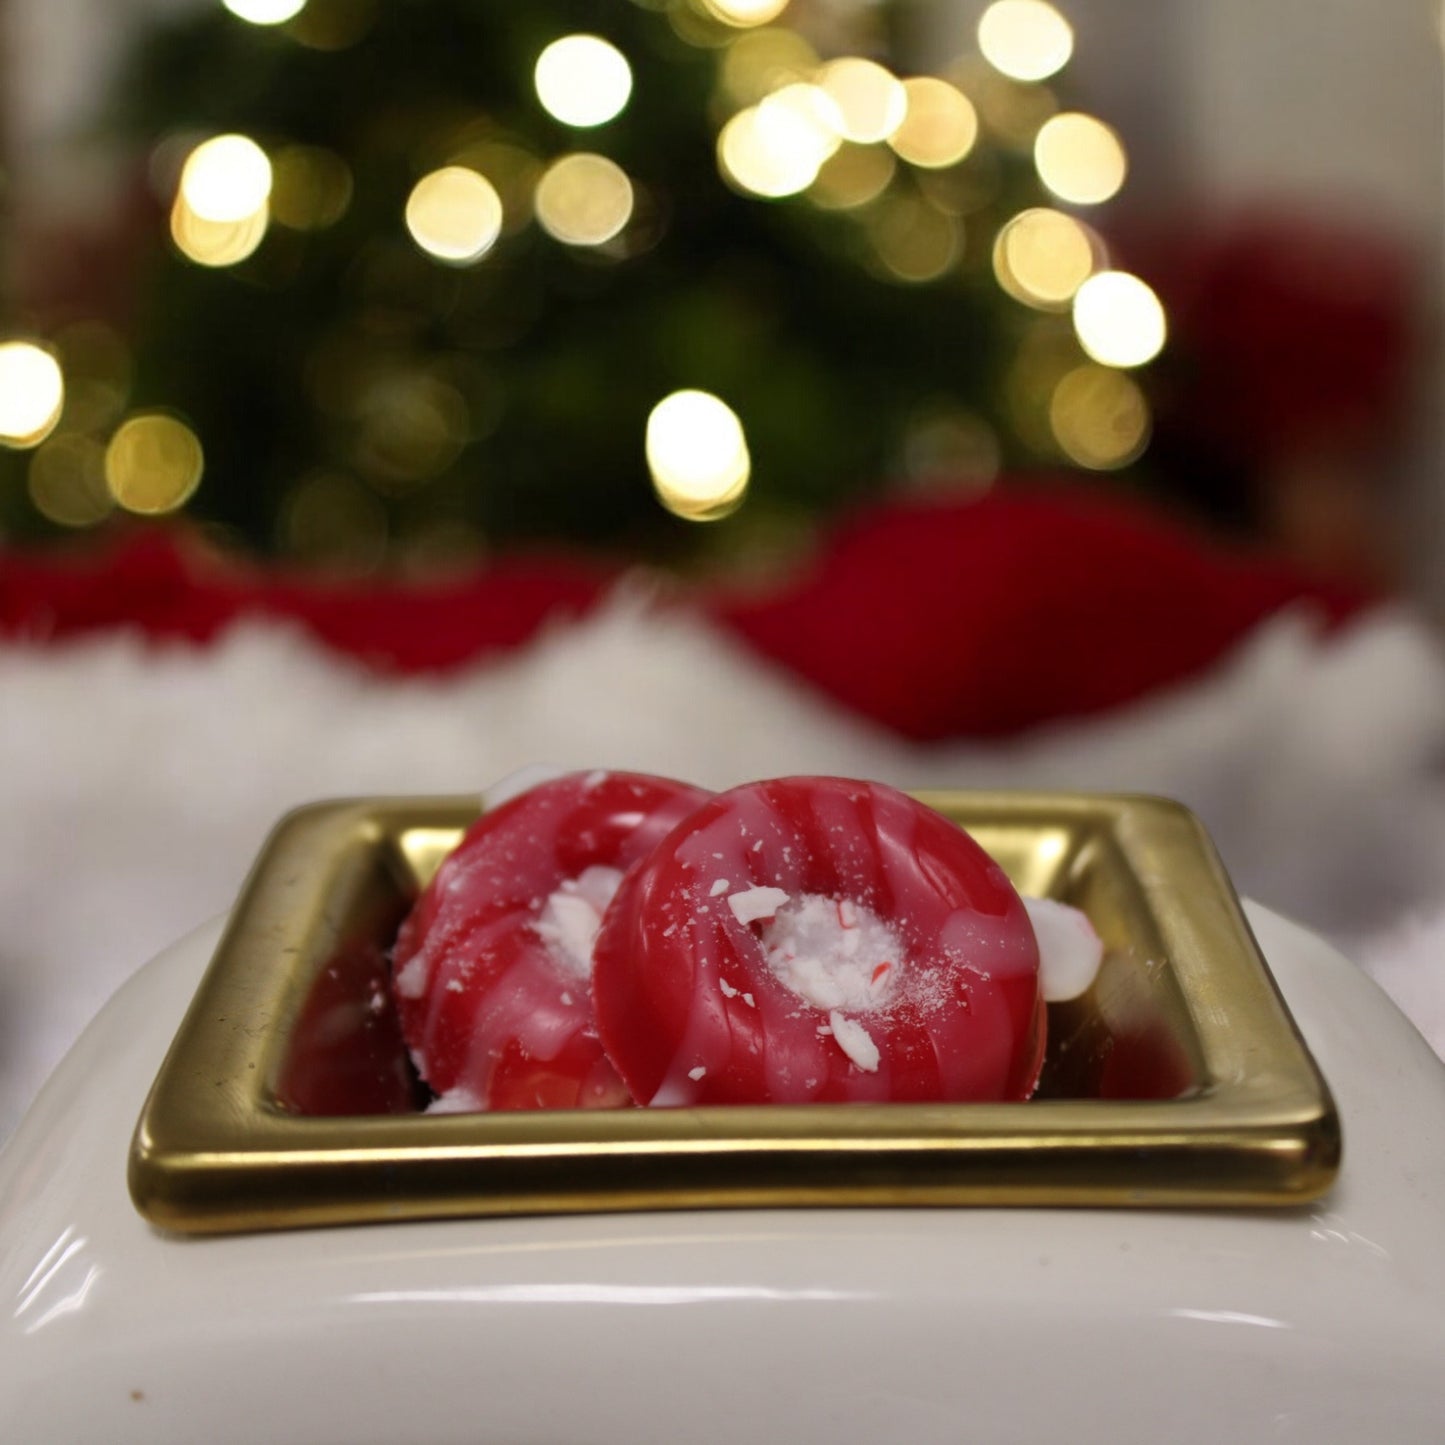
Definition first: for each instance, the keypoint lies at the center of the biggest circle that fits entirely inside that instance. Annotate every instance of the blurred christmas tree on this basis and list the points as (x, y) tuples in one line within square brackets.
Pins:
[(444, 276)]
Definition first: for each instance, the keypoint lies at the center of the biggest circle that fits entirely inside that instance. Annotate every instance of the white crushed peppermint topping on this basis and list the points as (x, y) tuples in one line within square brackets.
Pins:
[(750, 1000), (455, 985), (460, 1100), (697, 1073), (833, 953), (855, 1041), (1070, 952), (720, 886), (750, 904), (567, 998), (728, 991), (412, 975), (571, 915)]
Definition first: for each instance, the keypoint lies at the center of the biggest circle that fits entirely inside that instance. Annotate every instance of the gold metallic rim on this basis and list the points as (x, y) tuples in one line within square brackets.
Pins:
[(1253, 1123)]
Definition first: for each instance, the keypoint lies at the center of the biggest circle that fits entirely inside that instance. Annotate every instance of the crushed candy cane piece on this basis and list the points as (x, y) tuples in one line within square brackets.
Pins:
[(751, 904), (855, 1041)]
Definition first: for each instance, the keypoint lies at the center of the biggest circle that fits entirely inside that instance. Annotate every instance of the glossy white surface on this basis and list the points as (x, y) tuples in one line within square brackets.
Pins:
[(1320, 1325)]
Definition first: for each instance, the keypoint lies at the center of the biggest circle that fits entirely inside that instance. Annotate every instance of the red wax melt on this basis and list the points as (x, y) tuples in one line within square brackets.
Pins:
[(491, 968), (819, 940)]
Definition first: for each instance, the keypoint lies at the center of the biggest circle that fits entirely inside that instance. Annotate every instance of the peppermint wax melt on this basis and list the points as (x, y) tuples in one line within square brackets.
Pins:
[(819, 940), (491, 968)]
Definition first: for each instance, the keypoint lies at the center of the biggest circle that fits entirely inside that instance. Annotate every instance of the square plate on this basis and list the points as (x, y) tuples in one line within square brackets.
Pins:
[(1179, 1079)]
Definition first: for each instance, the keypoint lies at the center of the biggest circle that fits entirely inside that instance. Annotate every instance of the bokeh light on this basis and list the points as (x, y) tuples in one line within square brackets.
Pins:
[(66, 481), (1025, 39), (1080, 159), (310, 187), (1011, 110), (226, 178), (914, 240), (1119, 320), (583, 80), (871, 101), (762, 61), (512, 169), (216, 243), (745, 13), (698, 456), (332, 24), (265, 12), (1041, 257), (411, 426), (1099, 417), (32, 393), (153, 463), (777, 147), (852, 176), (584, 199), (455, 215), (97, 366), (940, 125), (331, 520), (946, 446)]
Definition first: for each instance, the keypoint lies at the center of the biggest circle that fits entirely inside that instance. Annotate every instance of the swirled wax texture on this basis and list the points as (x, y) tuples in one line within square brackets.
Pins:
[(492, 967), (819, 940)]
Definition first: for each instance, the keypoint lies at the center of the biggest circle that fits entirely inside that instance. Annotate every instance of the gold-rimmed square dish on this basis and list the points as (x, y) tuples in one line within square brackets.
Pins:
[(1179, 1079)]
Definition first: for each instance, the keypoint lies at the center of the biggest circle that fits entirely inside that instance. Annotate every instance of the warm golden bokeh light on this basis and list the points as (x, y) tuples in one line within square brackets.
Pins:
[(808, 115), (310, 188), (32, 393), (914, 240), (226, 178), (411, 426), (332, 25), (948, 446), (871, 101), (1042, 257), (455, 215), (265, 12), (1119, 320), (97, 367), (940, 125), (584, 199), (1099, 417), (762, 61), (331, 520), (698, 456), (216, 243), (1012, 110), (66, 481), (775, 149), (512, 169), (1025, 39), (852, 176), (583, 80), (153, 463), (1080, 159), (745, 13)]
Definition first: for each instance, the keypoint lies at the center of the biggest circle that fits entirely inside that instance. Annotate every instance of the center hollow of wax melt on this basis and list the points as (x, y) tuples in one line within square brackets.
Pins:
[(832, 952), (572, 914)]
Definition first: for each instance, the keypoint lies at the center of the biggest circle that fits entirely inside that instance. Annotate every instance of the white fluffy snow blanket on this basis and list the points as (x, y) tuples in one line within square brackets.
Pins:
[(139, 783)]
